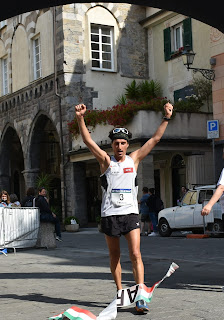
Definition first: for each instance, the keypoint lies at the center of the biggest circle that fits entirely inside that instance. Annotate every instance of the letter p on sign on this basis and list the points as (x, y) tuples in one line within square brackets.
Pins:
[(212, 129)]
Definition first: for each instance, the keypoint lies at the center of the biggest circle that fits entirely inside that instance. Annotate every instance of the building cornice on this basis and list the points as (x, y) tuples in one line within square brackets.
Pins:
[(157, 18)]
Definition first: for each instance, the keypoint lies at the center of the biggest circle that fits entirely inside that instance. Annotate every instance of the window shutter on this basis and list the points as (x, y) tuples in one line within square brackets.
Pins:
[(167, 43), (187, 33)]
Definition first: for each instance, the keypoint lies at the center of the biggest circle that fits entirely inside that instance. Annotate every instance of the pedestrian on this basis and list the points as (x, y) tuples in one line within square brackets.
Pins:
[(4, 199), (119, 210), (151, 202), (144, 211), (218, 194), (29, 200), (46, 215), (183, 191), (14, 201)]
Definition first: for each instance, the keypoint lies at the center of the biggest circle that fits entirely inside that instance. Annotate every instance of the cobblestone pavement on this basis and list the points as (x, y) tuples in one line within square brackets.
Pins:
[(39, 283)]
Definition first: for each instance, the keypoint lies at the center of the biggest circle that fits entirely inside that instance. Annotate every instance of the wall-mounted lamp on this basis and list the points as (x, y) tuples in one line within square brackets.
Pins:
[(188, 58)]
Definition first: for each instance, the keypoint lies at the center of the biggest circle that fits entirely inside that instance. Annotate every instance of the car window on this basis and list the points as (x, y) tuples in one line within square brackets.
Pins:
[(205, 195), (194, 198), (209, 194), (190, 198)]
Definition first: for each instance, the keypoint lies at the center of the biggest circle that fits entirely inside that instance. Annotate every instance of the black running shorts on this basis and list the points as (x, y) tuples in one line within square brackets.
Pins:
[(115, 226)]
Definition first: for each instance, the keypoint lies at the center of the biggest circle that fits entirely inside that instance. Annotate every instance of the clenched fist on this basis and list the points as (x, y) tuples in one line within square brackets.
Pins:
[(168, 108), (80, 110)]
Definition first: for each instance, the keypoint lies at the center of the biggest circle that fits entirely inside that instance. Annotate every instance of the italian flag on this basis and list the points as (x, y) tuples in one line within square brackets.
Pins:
[(124, 297), (75, 313)]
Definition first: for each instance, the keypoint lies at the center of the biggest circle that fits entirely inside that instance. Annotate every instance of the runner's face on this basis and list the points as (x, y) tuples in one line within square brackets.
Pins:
[(119, 147)]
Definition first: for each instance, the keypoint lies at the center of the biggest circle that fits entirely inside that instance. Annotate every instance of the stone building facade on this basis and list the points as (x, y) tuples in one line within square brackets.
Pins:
[(51, 61), (45, 71)]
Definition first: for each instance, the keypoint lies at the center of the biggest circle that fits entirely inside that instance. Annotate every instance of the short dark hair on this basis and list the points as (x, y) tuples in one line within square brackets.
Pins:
[(13, 198), (152, 190), (145, 189), (30, 191), (41, 188)]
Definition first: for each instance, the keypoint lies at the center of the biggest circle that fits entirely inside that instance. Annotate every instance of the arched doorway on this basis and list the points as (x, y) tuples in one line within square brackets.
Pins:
[(45, 157), (178, 176), (12, 164)]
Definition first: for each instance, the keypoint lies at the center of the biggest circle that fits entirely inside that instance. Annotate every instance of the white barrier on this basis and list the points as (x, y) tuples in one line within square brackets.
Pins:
[(19, 227)]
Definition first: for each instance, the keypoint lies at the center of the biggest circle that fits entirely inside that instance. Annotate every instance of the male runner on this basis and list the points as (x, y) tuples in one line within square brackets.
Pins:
[(119, 210)]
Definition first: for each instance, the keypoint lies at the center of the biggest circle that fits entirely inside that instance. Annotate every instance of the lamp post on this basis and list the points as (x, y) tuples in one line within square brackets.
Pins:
[(188, 58)]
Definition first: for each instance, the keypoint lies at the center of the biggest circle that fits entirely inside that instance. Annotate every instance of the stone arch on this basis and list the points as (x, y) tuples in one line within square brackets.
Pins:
[(44, 155), (12, 162), (20, 59), (178, 167)]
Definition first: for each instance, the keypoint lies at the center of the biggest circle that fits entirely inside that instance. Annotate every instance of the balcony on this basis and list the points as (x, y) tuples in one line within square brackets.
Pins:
[(192, 126)]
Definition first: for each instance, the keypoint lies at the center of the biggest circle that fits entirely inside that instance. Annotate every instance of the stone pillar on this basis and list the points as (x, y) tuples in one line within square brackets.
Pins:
[(145, 174), (30, 176), (79, 198), (162, 167)]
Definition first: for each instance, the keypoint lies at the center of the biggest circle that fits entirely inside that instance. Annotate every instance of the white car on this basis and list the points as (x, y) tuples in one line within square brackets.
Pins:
[(187, 216)]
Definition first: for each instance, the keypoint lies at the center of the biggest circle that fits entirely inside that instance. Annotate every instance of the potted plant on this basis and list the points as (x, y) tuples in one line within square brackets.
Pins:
[(71, 224)]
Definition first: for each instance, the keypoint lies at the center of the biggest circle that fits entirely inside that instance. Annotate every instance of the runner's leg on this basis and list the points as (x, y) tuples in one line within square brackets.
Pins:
[(133, 238), (113, 244)]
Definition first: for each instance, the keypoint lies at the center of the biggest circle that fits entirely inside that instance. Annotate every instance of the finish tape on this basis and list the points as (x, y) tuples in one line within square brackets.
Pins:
[(123, 298)]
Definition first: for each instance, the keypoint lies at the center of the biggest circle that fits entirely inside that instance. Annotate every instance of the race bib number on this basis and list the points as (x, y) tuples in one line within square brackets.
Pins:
[(122, 197)]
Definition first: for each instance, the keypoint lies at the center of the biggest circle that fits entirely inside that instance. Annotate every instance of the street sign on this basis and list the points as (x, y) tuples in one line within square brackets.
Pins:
[(212, 129)]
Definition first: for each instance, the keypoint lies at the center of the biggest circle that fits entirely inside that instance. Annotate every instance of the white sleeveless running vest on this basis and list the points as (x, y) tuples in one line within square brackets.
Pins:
[(119, 188)]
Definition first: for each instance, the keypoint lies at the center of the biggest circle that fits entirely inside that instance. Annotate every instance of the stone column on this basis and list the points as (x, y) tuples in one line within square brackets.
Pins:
[(30, 176), (79, 198), (145, 174)]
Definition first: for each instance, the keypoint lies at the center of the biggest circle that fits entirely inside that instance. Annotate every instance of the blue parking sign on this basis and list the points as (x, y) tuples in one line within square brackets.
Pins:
[(212, 129)]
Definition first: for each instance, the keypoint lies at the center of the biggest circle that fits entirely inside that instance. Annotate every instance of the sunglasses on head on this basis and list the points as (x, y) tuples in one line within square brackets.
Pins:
[(117, 130)]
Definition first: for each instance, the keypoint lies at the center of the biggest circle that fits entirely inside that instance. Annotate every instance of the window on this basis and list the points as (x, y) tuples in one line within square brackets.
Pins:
[(205, 195), (102, 47), (5, 87), (37, 58), (190, 198), (176, 38)]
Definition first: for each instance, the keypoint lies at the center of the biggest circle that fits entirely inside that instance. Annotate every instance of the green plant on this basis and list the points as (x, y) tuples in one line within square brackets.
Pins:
[(191, 103), (149, 90), (121, 99), (143, 91), (67, 220), (98, 219), (203, 89), (132, 91), (44, 180)]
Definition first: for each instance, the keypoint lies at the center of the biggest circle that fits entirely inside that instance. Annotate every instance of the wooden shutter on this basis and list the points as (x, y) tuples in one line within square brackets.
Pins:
[(187, 38), (167, 43)]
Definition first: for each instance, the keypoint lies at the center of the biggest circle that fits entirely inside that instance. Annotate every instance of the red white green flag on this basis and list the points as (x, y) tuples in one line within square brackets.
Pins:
[(123, 298)]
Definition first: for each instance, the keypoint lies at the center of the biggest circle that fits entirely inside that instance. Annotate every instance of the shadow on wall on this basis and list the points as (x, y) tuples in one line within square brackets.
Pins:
[(86, 84)]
